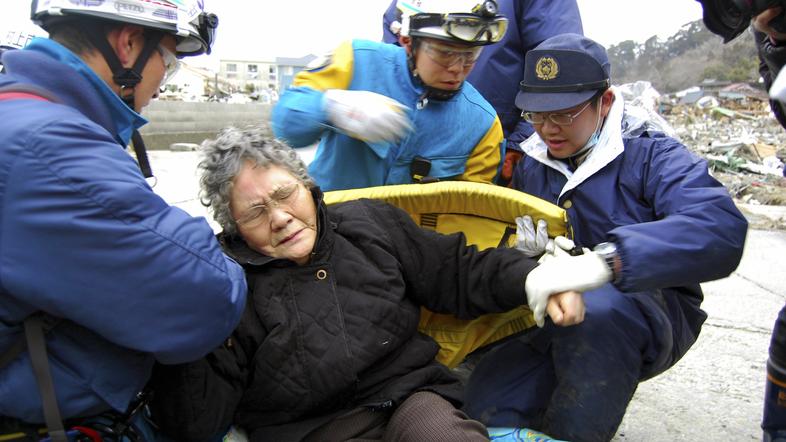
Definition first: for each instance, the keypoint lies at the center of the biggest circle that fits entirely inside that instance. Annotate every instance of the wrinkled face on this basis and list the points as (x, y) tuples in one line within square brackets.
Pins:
[(444, 65), (275, 212), (154, 72), (565, 140)]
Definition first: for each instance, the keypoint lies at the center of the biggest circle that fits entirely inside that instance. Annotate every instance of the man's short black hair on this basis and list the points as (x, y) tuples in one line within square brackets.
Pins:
[(74, 33)]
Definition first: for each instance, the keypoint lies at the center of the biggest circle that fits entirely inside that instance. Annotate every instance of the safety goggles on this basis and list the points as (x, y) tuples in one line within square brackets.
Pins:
[(465, 27), (171, 64), (447, 56)]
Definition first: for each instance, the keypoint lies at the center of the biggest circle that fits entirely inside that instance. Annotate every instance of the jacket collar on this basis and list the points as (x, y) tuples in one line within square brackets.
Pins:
[(609, 147), (235, 246), (48, 64)]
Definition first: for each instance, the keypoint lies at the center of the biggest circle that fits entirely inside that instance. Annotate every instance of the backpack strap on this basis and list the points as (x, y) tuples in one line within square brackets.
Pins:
[(36, 327), (36, 343)]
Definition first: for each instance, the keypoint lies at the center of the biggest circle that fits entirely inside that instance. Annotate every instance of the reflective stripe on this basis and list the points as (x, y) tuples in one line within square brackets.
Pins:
[(20, 96)]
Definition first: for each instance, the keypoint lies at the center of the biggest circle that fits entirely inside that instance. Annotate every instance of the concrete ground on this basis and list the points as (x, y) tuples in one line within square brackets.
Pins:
[(715, 392)]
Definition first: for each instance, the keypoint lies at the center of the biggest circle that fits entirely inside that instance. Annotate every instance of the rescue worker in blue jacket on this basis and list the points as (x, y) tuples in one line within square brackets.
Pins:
[(650, 208), (772, 56), (392, 115), (771, 46), (501, 66), (84, 238)]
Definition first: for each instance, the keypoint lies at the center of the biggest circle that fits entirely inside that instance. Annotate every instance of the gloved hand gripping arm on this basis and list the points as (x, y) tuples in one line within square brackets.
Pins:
[(561, 274)]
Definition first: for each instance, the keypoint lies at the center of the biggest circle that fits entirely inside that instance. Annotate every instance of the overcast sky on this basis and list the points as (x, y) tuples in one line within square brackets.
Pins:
[(264, 29)]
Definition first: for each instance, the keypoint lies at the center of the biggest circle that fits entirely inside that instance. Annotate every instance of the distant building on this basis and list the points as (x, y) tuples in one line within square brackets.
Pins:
[(249, 75), (688, 96), (289, 67), (723, 90), (189, 84), (742, 92), (261, 78), (711, 86)]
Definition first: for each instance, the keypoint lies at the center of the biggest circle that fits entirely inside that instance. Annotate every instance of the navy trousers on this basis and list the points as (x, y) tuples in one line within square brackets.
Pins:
[(574, 383), (774, 417)]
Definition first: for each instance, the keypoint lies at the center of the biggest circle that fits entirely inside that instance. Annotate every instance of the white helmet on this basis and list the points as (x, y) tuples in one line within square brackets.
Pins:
[(472, 22), (186, 19)]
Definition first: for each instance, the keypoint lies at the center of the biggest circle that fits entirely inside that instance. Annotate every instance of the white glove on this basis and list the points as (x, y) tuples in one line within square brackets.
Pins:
[(580, 273), (528, 240), (559, 246), (367, 116)]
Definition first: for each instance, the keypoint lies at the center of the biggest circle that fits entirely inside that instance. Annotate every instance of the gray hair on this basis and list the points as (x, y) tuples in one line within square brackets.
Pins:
[(222, 159)]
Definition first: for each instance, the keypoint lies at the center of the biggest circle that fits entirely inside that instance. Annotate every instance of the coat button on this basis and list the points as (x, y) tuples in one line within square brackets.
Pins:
[(567, 204), (321, 274)]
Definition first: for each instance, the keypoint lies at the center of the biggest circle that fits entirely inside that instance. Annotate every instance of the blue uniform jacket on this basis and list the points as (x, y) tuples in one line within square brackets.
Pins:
[(461, 136), (500, 68), (83, 237), (674, 225)]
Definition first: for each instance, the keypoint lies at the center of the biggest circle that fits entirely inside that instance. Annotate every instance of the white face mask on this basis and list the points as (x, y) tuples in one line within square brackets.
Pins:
[(595, 137)]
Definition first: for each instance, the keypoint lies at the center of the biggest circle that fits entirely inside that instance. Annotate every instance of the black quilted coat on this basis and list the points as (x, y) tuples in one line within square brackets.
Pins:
[(341, 331)]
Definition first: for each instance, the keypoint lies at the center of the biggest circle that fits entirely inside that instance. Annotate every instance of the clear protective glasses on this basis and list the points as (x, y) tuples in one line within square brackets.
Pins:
[(171, 64), (258, 214), (560, 119), (447, 56)]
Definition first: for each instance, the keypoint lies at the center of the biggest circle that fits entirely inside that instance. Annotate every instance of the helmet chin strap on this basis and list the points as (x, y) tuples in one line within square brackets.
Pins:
[(429, 92), (127, 79)]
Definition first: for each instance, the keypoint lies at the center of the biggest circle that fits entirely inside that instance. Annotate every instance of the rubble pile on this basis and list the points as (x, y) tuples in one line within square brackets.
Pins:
[(743, 143), (733, 128)]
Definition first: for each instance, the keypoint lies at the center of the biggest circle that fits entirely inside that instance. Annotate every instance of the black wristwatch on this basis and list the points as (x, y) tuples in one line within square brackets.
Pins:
[(607, 251)]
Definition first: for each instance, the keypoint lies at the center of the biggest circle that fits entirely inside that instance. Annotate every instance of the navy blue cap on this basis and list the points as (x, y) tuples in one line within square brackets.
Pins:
[(562, 72)]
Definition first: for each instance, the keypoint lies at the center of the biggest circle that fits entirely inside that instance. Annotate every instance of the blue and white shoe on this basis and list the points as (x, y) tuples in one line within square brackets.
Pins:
[(501, 434)]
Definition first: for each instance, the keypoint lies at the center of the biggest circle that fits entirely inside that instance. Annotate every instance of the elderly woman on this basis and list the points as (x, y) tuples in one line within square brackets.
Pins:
[(328, 347)]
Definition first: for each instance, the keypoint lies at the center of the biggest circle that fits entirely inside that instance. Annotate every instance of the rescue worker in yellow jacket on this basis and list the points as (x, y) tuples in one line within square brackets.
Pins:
[(395, 115)]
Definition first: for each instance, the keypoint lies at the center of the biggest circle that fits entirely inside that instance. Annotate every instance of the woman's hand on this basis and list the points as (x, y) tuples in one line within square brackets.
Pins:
[(566, 308)]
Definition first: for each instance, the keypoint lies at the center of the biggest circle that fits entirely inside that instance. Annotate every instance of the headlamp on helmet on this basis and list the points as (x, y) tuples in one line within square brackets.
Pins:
[(480, 25)]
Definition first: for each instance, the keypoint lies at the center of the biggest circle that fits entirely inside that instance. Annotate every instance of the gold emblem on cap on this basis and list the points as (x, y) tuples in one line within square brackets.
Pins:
[(546, 68)]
